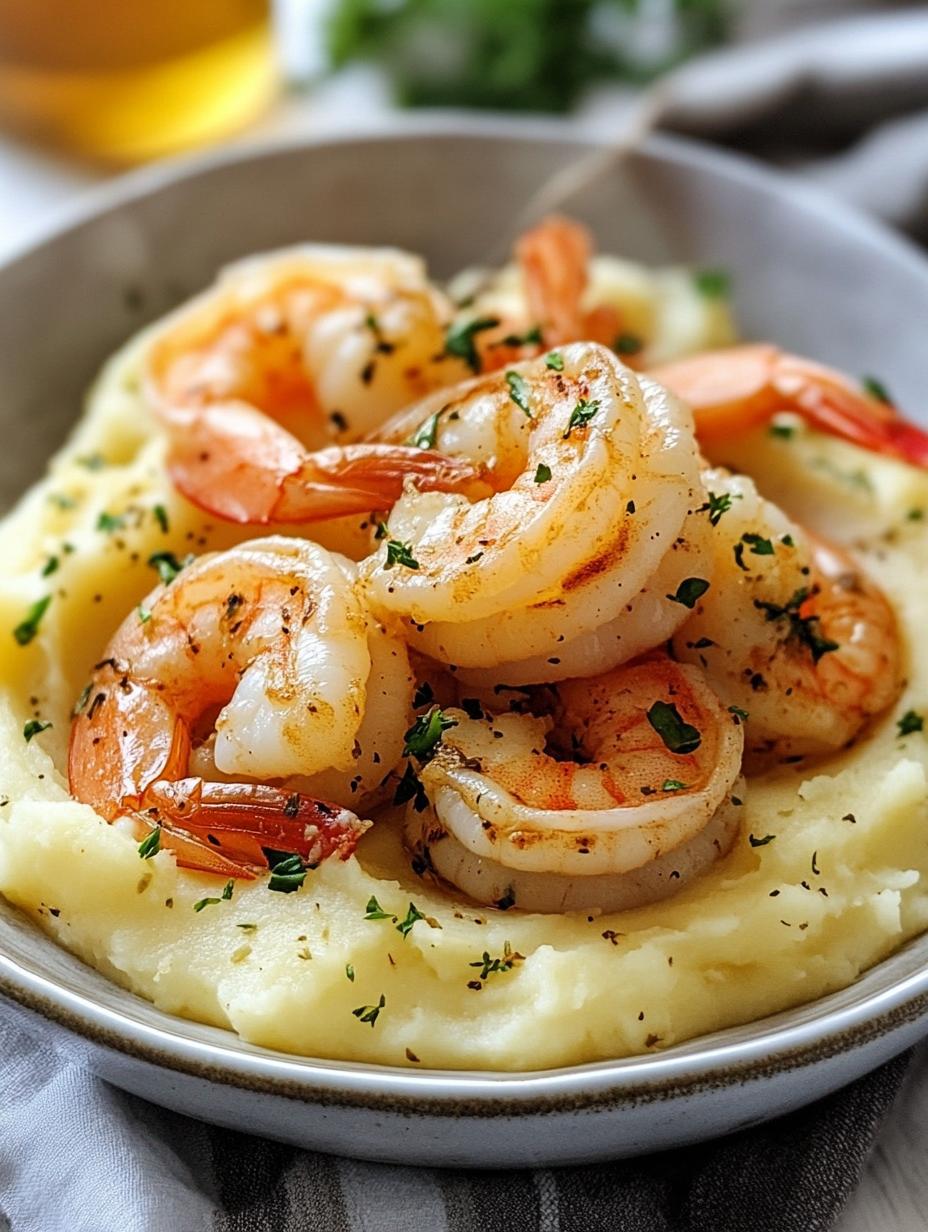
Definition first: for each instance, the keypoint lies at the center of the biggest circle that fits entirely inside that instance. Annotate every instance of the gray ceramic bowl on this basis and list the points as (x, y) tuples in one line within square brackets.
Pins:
[(808, 273)]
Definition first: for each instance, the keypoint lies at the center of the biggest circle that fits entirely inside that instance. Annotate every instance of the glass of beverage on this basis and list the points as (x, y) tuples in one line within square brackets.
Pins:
[(126, 80)]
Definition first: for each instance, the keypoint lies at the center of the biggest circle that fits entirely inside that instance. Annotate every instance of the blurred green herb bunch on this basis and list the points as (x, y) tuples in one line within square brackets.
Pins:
[(525, 55)]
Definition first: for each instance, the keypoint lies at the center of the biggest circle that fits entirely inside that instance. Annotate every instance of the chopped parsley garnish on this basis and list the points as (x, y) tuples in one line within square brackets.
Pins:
[(426, 434), (374, 911), (531, 337), (424, 695), (804, 628), (555, 361), (689, 591), (50, 566), (33, 727), (160, 514), (425, 733), (144, 614), (370, 1013), (92, 461), (715, 506), (288, 872), (382, 530), (349, 972), (227, 890), (758, 544), (27, 628), (206, 902), (167, 566), (150, 844), (519, 391), (410, 788), (761, 842), (497, 966), (915, 515), (542, 473), (109, 522), (247, 928), (404, 927), (784, 432), (741, 715), (712, 283), (400, 554), (628, 344), (876, 389), (910, 722), (460, 340), (678, 736), (673, 785), (580, 416)]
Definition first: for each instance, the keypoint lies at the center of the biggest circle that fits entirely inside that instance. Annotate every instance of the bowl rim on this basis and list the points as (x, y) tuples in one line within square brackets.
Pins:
[(231, 1060)]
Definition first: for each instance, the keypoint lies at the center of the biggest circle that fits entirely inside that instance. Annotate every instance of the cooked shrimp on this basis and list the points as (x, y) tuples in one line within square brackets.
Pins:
[(266, 646), (616, 798), (791, 632), (739, 388), (594, 477), (289, 352)]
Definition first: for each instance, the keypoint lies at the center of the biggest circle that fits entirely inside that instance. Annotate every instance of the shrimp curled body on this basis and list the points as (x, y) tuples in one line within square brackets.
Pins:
[(616, 820), (262, 655)]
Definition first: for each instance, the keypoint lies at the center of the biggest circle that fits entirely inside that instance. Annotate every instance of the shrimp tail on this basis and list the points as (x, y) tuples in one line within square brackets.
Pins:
[(554, 258), (241, 466), (242, 821)]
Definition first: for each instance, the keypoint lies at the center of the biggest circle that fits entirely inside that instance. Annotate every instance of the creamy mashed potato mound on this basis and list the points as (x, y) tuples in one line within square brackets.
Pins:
[(824, 879)]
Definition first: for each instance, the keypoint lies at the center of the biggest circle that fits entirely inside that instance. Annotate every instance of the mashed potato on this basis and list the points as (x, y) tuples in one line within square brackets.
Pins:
[(823, 881)]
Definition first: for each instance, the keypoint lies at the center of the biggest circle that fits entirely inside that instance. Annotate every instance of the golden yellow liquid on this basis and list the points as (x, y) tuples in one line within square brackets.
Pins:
[(125, 80)]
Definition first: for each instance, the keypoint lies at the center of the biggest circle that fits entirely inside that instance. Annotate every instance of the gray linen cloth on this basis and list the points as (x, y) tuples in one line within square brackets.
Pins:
[(847, 103)]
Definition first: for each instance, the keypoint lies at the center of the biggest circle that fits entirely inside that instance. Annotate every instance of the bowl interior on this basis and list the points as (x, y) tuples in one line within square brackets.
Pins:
[(806, 273)]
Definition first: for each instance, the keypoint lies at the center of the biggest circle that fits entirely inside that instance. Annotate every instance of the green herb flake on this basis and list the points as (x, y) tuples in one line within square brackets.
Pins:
[(460, 340), (28, 627), (519, 391), (758, 544), (689, 592), (716, 506), (349, 972), (110, 522), (206, 902), (374, 911), (581, 415), (740, 715), (542, 473), (497, 966), (160, 514), (555, 361), (910, 722), (673, 785), (712, 283), (804, 629), (531, 337), (761, 842), (144, 614), (876, 389), (150, 844), (425, 733), (50, 566), (628, 344), (167, 566), (33, 727), (413, 915), (426, 434), (782, 431), (82, 700), (400, 554), (370, 1013), (915, 515), (410, 788), (228, 890), (247, 928), (678, 736), (92, 461), (288, 872)]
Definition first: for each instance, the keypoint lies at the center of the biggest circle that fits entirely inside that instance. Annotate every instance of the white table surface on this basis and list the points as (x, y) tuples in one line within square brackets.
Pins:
[(34, 185)]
